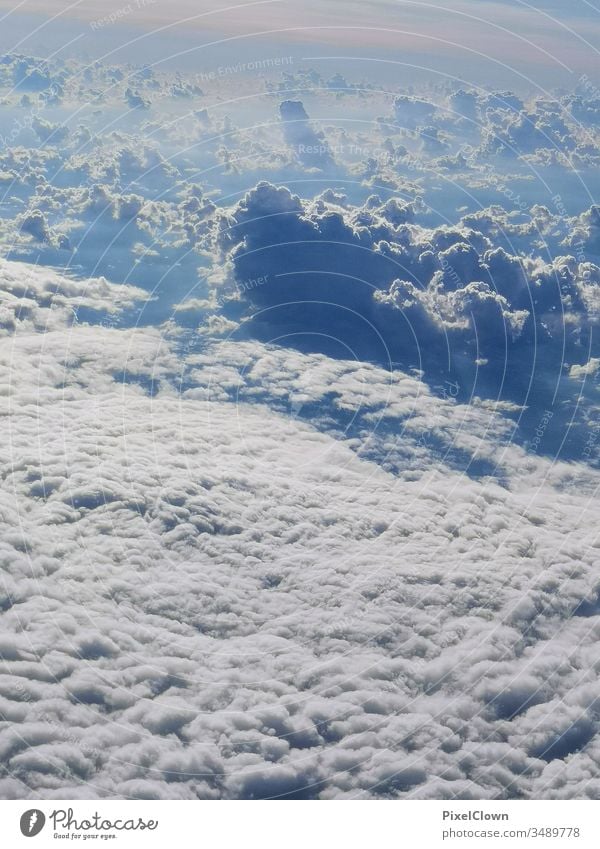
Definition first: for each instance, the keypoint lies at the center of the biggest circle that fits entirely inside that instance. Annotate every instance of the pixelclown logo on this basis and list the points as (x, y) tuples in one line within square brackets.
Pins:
[(32, 822)]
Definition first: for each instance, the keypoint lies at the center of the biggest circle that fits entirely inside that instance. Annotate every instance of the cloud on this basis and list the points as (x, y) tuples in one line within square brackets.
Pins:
[(310, 147), (588, 370), (308, 511), (41, 300), (212, 591), (411, 112), (370, 281)]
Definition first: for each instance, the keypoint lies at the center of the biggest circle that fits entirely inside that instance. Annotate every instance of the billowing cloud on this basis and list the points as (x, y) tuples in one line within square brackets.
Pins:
[(372, 282)]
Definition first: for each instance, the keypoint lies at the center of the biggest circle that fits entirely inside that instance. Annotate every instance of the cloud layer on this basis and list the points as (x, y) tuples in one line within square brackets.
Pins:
[(300, 442), (211, 598)]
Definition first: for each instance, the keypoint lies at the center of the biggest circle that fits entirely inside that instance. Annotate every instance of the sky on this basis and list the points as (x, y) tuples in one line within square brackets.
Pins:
[(522, 43), (299, 400)]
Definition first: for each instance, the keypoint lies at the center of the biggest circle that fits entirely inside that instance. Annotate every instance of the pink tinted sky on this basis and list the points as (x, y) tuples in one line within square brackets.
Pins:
[(541, 34)]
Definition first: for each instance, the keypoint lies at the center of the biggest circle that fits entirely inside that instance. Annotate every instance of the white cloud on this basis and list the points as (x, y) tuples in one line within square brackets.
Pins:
[(205, 598)]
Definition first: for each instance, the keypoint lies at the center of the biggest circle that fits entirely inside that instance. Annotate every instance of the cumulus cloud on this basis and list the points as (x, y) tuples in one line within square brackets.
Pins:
[(452, 300), (310, 146), (412, 111)]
